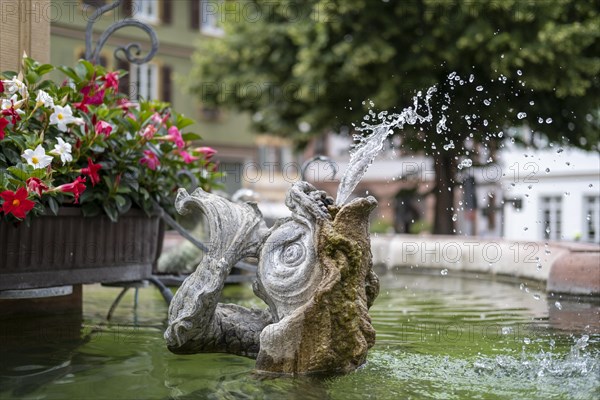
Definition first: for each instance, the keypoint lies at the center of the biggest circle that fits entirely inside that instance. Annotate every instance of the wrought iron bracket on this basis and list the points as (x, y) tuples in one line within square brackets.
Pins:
[(131, 51)]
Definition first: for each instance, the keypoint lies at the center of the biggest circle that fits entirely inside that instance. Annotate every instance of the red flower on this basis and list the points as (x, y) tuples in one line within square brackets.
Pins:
[(175, 137), (207, 151), (77, 187), (12, 113), (3, 123), (35, 185), (1, 87), (111, 80), (103, 128), (16, 203), (92, 171), (91, 96), (187, 157), (150, 159)]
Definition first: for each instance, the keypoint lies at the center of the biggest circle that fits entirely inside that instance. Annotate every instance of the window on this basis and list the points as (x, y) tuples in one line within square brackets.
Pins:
[(551, 217), (146, 10), (591, 222), (144, 82), (210, 17)]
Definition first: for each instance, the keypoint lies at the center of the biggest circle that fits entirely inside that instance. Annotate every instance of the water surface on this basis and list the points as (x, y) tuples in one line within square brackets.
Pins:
[(437, 337)]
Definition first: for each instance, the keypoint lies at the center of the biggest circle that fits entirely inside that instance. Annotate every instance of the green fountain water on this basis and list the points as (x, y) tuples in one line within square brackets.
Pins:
[(437, 337)]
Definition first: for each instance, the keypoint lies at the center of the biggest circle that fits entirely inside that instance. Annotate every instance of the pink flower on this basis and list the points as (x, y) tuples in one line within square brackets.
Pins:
[(92, 171), (150, 159), (149, 132), (77, 187), (16, 203), (125, 104), (35, 185), (207, 151), (3, 123), (1, 87), (159, 119), (187, 157), (103, 128), (111, 80), (175, 137)]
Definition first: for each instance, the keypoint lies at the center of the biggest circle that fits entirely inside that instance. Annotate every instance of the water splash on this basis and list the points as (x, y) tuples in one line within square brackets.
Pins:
[(370, 143)]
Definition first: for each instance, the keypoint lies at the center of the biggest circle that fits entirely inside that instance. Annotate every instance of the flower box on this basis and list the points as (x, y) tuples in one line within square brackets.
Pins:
[(71, 249)]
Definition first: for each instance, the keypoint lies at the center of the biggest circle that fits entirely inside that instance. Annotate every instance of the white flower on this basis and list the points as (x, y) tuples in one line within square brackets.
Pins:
[(14, 85), (7, 104), (61, 117), (63, 149), (44, 99), (37, 158)]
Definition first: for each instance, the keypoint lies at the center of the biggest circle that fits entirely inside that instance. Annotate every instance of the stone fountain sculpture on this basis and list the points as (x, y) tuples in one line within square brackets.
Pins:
[(314, 273)]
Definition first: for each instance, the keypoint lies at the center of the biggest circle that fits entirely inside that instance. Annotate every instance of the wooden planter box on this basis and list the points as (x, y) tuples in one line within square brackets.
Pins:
[(70, 249)]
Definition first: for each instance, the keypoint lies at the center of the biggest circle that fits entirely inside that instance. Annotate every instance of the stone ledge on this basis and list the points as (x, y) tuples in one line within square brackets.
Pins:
[(570, 268)]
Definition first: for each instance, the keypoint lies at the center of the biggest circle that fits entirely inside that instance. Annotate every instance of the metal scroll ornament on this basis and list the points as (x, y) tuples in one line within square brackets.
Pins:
[(130, 51)]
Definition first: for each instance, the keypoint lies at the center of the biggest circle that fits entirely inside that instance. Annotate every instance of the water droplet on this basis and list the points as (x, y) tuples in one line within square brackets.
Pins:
[(526, 229), (590, 185), (540, 120), (522, 286), (526, 340), (466, 163), (536, 296), (521, 115), (548, 120), (547, 170), (454, 217), (500, 134), (444, 272), (558, 305), (539, 266), (479, 88), (471, 78), (366, 192), (506, 330), (588, 217), (548, 230), (560, 150), (519, 72), (487, 102)]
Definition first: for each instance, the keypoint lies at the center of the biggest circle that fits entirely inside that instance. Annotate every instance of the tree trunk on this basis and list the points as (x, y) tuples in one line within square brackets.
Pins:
[(445, 171)]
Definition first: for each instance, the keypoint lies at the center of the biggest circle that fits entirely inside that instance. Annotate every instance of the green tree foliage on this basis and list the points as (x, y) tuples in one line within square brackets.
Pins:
[(314, 62)]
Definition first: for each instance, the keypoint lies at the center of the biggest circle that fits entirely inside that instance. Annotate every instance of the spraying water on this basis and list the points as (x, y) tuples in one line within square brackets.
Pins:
[(369, 145)]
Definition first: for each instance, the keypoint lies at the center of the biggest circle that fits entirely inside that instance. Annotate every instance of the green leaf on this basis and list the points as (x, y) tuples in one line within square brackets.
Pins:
[(12, 156), (81, 72), (190, 136), (90, 209), (70, 72), (24, 172), (44, 69), (183, 122), (123, 204), (111, 211), (53, 204)]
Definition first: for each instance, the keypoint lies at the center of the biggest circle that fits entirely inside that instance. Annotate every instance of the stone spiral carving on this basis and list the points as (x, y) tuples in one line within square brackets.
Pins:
[(314, 273)]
